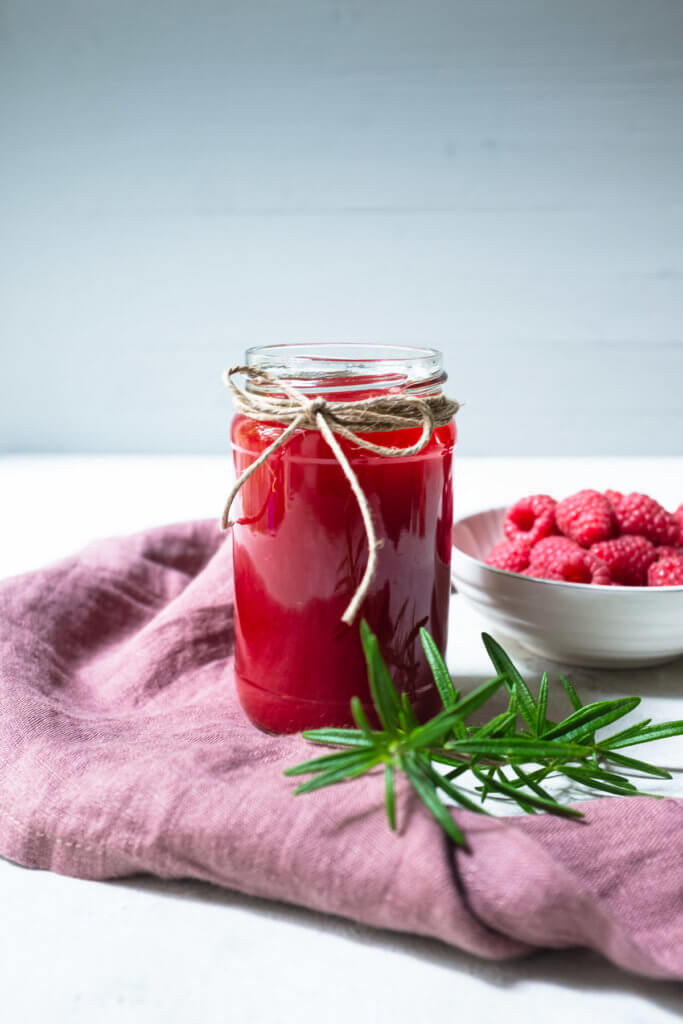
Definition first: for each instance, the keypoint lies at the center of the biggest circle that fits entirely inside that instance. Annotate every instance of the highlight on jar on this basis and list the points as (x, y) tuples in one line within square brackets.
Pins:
[(342, 509)]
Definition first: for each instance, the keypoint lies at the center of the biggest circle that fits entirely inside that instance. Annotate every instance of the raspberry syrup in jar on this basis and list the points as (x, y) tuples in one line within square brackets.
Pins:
[(300, 547)]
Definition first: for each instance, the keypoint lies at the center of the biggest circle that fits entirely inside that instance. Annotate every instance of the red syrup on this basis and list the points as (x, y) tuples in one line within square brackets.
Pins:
[(299, 552)]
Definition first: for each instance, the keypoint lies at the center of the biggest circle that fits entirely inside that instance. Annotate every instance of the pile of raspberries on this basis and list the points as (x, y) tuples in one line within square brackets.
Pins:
[(607, 538)]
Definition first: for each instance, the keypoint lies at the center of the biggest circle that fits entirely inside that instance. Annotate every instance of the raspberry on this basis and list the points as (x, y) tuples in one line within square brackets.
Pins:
[(667, 551), (546, 550), (614, 497), (666, 573), (577, 566), (642, 515), (627, 558), (532, 517), (679, 516), (512, 555), (585, 517)]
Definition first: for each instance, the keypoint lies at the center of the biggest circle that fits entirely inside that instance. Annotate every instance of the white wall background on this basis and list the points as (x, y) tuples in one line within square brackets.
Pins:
[(500, 178)]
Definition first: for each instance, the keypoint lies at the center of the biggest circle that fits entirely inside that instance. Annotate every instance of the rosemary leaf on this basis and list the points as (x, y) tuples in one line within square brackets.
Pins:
[(595, 716), (571, 693), (634, 765), (453, 792), (339, 737), (596, 780), (542, 706), (479, 696), (427, 793), (504, 666), (339, 774), (409, 715), (521, 747), (442, 678), (646, 735), (631, 731), (360, 718), (490, 750), (531, 784), (547, 804), (390, 795), (337, 760), (384, 694)]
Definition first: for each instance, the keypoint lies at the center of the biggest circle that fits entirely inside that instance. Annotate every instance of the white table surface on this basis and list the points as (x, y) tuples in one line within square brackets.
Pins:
[(143, 950)]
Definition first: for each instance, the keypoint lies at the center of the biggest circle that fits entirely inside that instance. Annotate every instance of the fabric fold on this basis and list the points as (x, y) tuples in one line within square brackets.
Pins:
[(123, 749)]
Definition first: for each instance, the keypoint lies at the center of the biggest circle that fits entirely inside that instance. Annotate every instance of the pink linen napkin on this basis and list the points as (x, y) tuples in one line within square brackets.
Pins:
[(123, 749)]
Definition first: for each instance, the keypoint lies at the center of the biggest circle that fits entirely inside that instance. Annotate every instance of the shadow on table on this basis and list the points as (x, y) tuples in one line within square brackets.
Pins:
[(571, 968)]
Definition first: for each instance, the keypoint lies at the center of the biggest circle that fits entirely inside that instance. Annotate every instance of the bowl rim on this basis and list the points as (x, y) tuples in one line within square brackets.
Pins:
[(592, 587)]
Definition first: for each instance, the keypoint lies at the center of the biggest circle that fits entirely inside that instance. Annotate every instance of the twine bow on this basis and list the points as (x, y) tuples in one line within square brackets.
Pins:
[(297, 411)]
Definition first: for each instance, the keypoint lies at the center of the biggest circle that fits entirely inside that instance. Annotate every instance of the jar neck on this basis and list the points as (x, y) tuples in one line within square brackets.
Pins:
[(349, 372)]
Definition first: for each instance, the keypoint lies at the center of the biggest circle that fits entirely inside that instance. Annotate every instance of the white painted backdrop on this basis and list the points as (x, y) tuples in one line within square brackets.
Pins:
[(500, 178)]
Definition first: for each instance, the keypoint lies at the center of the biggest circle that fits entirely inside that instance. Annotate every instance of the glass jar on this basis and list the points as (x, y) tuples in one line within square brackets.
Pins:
[(300, 547)]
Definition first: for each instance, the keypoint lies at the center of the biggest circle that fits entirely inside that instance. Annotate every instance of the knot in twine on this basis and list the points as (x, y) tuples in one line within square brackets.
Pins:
[(370, 415)]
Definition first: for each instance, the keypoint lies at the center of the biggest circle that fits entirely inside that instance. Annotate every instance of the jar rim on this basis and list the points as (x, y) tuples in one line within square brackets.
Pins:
[(339, 367)]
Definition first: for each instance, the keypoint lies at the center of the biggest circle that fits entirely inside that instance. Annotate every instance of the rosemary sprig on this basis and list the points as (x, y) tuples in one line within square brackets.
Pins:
[(498, 753)]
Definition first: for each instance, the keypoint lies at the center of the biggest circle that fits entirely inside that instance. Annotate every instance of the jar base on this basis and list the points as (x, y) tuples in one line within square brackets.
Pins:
[(278, 714)]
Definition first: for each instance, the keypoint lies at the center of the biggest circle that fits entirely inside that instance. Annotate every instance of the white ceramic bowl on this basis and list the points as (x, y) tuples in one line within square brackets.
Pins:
[(576, 623)]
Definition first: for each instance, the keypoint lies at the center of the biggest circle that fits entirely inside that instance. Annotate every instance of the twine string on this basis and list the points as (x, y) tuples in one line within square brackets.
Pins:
[(348, 419)]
